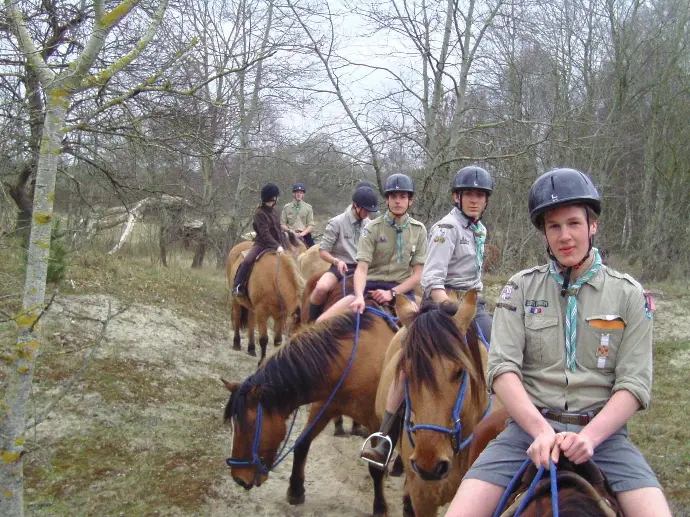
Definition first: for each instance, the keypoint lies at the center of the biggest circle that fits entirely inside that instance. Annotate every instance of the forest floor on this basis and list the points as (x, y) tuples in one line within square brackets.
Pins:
[(136, 427)]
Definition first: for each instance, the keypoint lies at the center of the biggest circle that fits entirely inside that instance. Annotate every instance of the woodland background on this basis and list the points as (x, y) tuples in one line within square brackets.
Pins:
[(230, 94)]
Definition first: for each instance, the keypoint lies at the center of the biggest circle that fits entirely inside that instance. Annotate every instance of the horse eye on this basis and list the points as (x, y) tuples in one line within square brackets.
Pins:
[(458, 375)]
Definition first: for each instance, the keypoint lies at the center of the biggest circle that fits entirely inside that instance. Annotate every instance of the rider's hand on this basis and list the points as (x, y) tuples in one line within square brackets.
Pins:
[(381, 295), (280, 249), (542, 448), (358, 304), (577, 447), (342, 267)]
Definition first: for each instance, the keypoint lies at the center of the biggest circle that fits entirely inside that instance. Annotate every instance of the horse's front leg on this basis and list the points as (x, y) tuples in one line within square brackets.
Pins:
[(295, 492), (380, 505), (236, 324), (419, 498), (262, 322), (251, 325), (278, 324)]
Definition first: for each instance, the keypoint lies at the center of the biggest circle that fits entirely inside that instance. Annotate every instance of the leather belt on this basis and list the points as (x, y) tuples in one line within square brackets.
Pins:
[(562, 417)]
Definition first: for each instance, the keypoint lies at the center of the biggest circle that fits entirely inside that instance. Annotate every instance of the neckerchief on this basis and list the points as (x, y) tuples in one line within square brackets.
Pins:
[(479, 231), (297, 206), (571, 307), (398, 233)]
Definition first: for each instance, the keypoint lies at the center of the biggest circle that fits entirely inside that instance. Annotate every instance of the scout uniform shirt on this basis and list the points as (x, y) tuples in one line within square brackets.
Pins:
[(452, 257), (297, 216), (377, 247), (614, 340), (342, 235)]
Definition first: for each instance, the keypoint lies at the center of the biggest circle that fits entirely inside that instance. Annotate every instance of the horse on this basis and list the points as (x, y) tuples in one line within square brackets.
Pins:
[(492, 257), (311, 368), (445, 396), (310, 263), (274, 290), (582, 489)]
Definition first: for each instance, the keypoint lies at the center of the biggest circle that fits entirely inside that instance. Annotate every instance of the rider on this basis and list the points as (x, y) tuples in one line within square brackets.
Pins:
[(570, 359), (456, 244), (268, 236), (298, 215), (338, 245), (390, 252)]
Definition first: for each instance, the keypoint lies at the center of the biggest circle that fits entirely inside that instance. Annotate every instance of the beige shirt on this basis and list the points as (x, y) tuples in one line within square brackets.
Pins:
[(614, 340), (341, 236), (377, 248), (297, 219)]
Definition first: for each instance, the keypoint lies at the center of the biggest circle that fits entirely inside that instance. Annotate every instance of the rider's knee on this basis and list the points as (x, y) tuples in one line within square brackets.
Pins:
[(643, 502), (475, 498)]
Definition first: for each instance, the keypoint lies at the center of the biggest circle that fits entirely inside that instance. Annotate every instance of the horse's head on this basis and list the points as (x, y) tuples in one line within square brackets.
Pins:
[(446, 390), (257, 434), (296, 245)]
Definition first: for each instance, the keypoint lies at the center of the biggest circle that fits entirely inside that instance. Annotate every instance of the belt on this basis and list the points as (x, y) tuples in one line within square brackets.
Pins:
[(562, 417)]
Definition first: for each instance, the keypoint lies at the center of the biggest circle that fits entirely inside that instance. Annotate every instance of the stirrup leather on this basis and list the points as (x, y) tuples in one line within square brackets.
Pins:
[(375, 463)]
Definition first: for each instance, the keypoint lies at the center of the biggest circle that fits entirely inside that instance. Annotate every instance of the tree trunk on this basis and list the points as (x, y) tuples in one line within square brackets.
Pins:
[(22, 360)]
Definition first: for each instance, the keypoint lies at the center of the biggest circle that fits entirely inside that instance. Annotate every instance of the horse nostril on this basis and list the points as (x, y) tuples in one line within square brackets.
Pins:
[(242, 483), (413, 466), (442, 468)]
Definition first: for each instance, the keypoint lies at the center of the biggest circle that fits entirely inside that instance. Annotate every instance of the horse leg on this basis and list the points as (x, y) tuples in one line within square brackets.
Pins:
[(262, 323), (339, 429), (398, 467), (359, 430), (408, 511), (421, 503), (251, 323), (236, 324), (278, 330), (380, 505), (295, 492)]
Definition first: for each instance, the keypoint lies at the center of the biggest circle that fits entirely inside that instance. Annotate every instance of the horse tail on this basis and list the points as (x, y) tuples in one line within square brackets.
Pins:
[(244, 317)]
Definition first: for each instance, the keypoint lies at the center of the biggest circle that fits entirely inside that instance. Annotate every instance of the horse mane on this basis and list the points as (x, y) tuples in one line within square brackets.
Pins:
[(298, 368), (292, 238), (433, 333)]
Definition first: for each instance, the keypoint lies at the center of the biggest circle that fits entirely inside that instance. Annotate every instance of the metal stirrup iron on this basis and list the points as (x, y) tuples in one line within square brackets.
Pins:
[(375, 463)]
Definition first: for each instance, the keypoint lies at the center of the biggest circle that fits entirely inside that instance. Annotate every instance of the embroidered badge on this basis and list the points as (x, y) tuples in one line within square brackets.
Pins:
[(364, 233), (506, 293), (463, 240), (536, 303), (502, 305), (649, 305), (440, 239), (535, 310), (445, 225), (513, 285), (603, 350), (441, 231)]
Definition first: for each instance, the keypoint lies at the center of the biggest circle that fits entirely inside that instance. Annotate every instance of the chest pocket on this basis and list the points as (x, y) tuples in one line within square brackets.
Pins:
[(599, 341), (542, 339)]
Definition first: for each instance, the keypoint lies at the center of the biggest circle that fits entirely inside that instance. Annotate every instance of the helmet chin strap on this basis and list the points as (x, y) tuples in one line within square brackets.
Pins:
[(471, 219), (359, 215)]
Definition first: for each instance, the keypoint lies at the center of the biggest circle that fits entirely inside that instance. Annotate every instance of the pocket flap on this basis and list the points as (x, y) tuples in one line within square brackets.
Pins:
[(535, 322), (606, 321)]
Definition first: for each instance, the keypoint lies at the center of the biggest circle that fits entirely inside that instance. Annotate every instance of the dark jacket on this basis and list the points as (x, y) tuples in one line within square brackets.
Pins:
[(267, 227)]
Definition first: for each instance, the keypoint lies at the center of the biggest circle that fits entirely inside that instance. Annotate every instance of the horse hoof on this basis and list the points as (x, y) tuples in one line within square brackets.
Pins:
[(277, 343), (295, 499), (237, 347), (360, 431), (252, 352), (339, 431), (397, 469)]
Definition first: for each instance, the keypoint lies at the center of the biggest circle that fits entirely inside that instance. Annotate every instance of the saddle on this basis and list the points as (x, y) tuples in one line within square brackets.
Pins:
[(587, 478)]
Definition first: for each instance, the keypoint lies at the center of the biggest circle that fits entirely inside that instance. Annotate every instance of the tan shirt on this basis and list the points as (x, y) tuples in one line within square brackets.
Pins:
[(377, 248), (614, 340), (341, 236), (297, 220)]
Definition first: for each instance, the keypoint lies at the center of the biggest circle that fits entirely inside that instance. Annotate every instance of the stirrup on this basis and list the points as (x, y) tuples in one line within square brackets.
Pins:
[(375, 463)]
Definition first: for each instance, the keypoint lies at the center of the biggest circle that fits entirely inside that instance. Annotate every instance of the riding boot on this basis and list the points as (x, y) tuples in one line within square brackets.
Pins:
[(314, 311), (239, 284), (390, 426)]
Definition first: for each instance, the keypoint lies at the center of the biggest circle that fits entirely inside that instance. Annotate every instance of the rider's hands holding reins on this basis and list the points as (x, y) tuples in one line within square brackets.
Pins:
[(577, 447), (381, 295), (358, 304), (544, 447), (342, 267), (280, 249)]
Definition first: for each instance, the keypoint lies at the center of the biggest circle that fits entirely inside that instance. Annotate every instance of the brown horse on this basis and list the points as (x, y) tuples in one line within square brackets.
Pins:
[(582, 489), (306, 371), (310, 263), (437, 361), (274, 291)]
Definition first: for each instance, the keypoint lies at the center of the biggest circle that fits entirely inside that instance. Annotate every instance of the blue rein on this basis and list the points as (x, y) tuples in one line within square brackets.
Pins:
[(530, 491)]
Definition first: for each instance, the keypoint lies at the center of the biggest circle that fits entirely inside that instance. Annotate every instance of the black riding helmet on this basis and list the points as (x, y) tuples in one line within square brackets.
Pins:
[(473, 178), (299, 187), (269, 191), (365, 197), (557, 188), (365, 184), (398, 183), (561, 187)]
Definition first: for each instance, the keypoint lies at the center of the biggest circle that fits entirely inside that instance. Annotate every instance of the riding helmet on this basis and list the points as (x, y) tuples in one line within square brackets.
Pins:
[(561, 187), (299, 187), (365, 197), (269, 191), (398, 183), (473, 178)]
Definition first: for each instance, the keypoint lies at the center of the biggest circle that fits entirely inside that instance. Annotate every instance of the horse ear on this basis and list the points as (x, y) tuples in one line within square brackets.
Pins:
[(405, 309), (231, 386), (466, 311)]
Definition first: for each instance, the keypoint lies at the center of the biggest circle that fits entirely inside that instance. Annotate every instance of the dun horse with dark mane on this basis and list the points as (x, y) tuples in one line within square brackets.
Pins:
[(274, 290), (309, 369)]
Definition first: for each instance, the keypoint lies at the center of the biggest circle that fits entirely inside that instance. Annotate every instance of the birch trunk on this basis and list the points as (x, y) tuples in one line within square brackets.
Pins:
[(22, 360)]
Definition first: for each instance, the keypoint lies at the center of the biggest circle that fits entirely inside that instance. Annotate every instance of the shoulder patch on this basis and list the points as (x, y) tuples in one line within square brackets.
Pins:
[(445, 225), (511, 308)]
